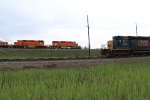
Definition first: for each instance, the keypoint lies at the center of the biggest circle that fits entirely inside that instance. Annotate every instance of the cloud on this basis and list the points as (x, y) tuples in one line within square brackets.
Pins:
[(66, 19)]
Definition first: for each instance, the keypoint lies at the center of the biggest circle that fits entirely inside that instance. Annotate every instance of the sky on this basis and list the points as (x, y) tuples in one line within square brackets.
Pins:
[(65, 20)]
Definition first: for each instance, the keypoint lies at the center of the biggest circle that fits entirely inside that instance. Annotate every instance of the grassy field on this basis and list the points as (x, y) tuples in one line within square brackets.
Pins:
[(99, 82), (42, 53)]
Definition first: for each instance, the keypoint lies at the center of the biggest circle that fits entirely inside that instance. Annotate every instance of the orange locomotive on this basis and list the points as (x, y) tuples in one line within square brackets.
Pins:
[(64, 45), (40, 44), (29, 44), (3, 44)]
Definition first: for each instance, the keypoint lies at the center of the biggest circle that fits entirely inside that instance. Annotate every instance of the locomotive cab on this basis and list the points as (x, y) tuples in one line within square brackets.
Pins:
[(107, 52), (110, 44)]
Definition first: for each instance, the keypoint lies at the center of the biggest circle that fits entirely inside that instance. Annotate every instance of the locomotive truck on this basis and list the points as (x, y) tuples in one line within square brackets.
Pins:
[(127, 46)]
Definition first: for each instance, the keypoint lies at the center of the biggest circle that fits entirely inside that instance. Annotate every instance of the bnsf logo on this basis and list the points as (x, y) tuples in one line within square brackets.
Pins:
[(143, 43)]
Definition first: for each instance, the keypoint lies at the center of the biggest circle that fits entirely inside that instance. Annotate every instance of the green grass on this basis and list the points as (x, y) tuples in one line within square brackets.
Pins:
[(101, 82), (42, 53)]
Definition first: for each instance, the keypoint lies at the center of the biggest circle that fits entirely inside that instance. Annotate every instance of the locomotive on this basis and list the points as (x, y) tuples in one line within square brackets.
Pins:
[(64, 45), (29, 44), (127, 46), (40, 44), (3, 44)]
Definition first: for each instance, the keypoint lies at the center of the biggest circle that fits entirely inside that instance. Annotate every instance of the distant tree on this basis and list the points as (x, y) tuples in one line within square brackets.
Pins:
[(85, 47)]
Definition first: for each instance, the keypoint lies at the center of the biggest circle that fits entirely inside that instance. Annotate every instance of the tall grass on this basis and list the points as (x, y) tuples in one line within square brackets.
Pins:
[(100, 82), (45, 53)]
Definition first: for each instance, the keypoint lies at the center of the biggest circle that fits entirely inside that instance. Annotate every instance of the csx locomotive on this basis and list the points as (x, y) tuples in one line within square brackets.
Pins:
[(127, 46)]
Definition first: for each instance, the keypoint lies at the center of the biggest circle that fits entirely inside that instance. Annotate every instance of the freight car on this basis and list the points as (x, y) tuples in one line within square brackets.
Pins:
[(64, 45), (127, 46), (29, 44)]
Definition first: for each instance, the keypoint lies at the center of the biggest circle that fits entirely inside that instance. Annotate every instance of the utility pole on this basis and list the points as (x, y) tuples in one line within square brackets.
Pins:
[(88, 35), (136, 30)]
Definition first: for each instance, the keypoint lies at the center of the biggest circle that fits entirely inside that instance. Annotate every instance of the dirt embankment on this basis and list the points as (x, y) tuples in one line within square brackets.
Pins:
[(17, 65)]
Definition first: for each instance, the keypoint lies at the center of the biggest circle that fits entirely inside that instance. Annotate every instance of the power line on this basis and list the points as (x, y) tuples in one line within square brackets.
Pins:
[(88, 35), (136, 30)]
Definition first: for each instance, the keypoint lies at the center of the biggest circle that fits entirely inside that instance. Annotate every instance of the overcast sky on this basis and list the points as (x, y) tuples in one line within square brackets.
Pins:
[(65, 20)]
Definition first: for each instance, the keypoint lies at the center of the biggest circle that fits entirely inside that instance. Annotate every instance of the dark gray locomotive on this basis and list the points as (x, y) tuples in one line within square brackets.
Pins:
[(127, 46)]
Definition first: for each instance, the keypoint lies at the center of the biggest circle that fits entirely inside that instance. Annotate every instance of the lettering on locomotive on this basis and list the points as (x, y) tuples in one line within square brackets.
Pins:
[(143, 43)]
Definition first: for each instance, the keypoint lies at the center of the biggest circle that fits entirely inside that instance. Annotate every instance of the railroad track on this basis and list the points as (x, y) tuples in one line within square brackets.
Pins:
[(20, 64), (48, 59), (67, 58)]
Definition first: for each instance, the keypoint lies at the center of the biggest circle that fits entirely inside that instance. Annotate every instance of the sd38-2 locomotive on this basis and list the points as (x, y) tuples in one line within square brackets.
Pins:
[(127, 46)]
